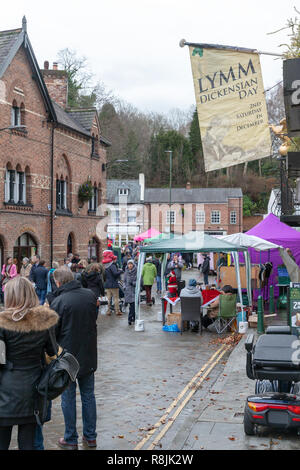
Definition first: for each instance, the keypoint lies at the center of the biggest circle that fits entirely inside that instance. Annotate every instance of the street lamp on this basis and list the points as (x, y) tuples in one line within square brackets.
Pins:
[(170, 152)]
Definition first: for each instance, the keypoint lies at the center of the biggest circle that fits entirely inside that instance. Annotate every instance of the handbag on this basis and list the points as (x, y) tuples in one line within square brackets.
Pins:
[(54, 380)]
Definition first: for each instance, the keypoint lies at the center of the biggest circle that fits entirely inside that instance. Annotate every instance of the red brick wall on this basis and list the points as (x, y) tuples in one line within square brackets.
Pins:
[(32, 151)]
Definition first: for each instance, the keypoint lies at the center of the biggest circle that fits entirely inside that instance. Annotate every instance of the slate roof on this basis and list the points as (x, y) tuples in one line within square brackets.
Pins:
[(8, 39), (85, 117), (65, 119), (194, 195), (112, 194)]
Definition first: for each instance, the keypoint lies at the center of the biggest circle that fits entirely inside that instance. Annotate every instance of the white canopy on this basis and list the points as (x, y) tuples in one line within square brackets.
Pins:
[(242, 239)]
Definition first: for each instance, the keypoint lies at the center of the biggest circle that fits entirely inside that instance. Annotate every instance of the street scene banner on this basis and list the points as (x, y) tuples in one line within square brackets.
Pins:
[(231, 106)]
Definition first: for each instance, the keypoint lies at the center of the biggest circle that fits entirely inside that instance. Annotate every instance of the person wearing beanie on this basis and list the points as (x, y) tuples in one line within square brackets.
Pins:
[(129, 288), (149, 274), (192, 291)]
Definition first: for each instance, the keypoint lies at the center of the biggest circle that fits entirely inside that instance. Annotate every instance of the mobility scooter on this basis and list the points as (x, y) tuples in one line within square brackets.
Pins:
[(274, 362)]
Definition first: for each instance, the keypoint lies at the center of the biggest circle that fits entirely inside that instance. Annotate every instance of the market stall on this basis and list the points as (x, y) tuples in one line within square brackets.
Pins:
[(193, 242), (150, 233), (274, 231)]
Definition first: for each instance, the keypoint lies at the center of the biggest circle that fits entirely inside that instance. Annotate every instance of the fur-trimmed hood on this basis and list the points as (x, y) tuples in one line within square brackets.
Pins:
[(37, 319)]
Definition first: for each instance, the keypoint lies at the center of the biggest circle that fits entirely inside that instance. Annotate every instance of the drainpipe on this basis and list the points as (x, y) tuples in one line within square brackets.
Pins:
[(51, 193)]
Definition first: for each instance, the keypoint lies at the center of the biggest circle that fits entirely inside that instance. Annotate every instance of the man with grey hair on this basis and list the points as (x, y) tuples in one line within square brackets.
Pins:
[(77, 332)]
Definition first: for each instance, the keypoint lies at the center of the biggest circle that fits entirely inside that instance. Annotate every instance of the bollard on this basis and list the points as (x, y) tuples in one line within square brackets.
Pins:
[(260, 316), (271, 301)]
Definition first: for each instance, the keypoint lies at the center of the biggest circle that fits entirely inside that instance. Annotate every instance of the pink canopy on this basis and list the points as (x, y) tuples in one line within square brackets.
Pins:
[(272, 230), (150, 233)]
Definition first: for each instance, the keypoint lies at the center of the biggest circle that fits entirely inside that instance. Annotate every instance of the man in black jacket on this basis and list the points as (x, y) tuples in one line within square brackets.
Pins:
[(77, 333), (40, 277)]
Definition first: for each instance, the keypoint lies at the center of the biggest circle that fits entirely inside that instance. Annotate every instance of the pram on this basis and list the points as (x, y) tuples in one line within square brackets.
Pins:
[(274, 362)]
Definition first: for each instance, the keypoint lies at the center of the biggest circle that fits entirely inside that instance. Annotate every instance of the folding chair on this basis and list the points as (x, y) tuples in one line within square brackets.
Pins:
[(227, 312), (191, 310)]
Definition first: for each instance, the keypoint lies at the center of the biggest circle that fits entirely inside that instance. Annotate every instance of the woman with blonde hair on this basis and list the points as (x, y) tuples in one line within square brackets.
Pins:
[(24, 326)]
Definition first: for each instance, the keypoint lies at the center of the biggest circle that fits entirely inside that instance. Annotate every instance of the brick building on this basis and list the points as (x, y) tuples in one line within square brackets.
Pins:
[(46, 151), (134, 209), (216, 211)]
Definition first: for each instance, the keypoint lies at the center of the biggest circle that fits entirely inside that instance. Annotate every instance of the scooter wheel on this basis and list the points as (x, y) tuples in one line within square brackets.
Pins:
[(249, 427), (153, 300)]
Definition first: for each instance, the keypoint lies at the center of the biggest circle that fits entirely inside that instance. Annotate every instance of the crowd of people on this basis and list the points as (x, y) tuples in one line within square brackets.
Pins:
[(37, 299)]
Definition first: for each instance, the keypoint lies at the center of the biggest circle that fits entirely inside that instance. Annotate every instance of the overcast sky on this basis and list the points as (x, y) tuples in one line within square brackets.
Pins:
[(133, 45)]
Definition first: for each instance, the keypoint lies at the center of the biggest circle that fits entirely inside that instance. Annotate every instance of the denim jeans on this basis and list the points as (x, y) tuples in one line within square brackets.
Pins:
[(158, 282), (38, 443), (41, 295), (89, 412), (205, 276)]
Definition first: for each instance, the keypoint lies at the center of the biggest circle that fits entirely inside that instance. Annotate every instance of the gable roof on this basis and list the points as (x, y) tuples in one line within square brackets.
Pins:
[(10, 42), (112, 193), (85, 118), (194, 195), (65, 119)]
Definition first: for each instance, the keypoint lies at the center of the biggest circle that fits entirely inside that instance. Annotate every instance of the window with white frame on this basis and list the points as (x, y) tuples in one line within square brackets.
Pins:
[(215, 217), (93, 202), (170, 217), (200, 217), (233, 217), (131, 216), (123, 192), (15, 187), (116, 216), (61, 194)]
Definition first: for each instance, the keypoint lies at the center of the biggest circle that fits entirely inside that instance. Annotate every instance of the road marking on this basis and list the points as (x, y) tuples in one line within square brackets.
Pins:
[(161, 422)]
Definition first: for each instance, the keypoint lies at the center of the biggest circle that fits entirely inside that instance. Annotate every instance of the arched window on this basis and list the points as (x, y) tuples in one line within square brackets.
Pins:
[(63, 181), (25, 246), (70, 244), (15, 186), (15, 114), (22, 114), (93, 202)]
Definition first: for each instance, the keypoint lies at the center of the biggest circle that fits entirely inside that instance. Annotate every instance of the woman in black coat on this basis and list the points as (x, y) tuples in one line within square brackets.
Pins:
[(93, 280), (24, 326)]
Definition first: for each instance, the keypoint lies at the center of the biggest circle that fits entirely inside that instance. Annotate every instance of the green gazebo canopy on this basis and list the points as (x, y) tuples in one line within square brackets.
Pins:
[(191, 242)]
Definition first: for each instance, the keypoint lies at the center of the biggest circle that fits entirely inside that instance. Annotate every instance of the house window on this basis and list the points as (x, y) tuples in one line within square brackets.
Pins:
[(116, 218), (233, 217), (15, 187), (123, 192), (215, 217), (61, 194), (93, 202), (200, 217), (15, 115), (170, 217), (131, 216)]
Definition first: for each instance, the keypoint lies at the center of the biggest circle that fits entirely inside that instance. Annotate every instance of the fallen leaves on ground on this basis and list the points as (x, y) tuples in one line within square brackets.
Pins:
[(231, 340), (231, 438)]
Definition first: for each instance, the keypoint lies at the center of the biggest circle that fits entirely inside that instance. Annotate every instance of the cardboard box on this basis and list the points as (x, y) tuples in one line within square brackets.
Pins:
[(173, 318), (228, 276)]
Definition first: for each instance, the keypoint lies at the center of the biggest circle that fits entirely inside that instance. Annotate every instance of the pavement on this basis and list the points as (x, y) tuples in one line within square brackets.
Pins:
[(141, 375)]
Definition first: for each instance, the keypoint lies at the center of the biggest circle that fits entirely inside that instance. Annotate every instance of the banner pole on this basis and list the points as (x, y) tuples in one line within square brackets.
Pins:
[(183, 43)]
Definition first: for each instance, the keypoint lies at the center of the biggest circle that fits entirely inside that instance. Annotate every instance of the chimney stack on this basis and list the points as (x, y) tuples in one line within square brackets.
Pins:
[(57, 83)]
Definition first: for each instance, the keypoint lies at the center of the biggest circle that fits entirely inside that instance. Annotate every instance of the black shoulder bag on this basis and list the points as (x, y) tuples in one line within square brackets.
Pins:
[(54, 380)]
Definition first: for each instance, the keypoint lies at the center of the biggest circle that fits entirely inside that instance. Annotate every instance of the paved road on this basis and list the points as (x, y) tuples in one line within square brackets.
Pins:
[(141, 376)]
